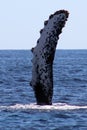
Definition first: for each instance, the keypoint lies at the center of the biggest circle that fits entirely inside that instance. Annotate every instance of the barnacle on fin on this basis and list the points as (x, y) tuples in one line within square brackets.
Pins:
[(51, 16), (59, 12), (46, 22), (41, 31), (62, 11), (32, 49), (38, 41)]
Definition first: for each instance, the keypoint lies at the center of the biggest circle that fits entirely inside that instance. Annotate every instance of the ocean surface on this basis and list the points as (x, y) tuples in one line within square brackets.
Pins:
[(18, 109)]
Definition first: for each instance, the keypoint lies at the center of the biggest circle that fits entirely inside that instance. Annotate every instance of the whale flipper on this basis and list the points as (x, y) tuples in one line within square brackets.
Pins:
[(43, 56)]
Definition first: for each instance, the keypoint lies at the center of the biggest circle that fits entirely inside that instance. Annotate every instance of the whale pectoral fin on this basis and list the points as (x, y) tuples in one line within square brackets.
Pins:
[(44, 52)]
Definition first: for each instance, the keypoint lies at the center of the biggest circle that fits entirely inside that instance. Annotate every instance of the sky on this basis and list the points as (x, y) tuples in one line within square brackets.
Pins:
[(21, 21)]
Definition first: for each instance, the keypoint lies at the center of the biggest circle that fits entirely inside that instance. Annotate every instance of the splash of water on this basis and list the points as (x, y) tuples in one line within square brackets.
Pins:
[(33, 106)]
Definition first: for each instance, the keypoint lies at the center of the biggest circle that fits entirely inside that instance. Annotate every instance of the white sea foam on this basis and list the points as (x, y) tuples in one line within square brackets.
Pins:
[(33, 106)]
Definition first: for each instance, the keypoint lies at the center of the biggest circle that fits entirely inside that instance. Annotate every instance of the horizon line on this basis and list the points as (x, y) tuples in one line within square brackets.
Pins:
[(3, 49)]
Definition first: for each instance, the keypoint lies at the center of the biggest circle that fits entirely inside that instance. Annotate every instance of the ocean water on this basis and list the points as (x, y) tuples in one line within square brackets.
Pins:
[(18, 109)]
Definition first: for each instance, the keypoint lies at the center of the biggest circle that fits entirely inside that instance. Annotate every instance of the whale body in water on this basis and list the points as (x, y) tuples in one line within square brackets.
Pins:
[(43, 56)]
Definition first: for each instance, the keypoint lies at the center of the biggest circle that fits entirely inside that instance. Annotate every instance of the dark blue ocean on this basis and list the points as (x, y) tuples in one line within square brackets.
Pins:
[(18, 110)]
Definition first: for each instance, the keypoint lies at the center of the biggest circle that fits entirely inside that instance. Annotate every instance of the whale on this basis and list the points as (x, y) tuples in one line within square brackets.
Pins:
[(43, 57)]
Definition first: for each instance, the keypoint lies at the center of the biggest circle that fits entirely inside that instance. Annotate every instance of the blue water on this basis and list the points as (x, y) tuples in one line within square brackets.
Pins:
[(70, 87)]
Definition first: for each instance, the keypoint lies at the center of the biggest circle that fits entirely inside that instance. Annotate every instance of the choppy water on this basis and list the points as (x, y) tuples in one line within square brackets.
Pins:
[(18, 110)]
